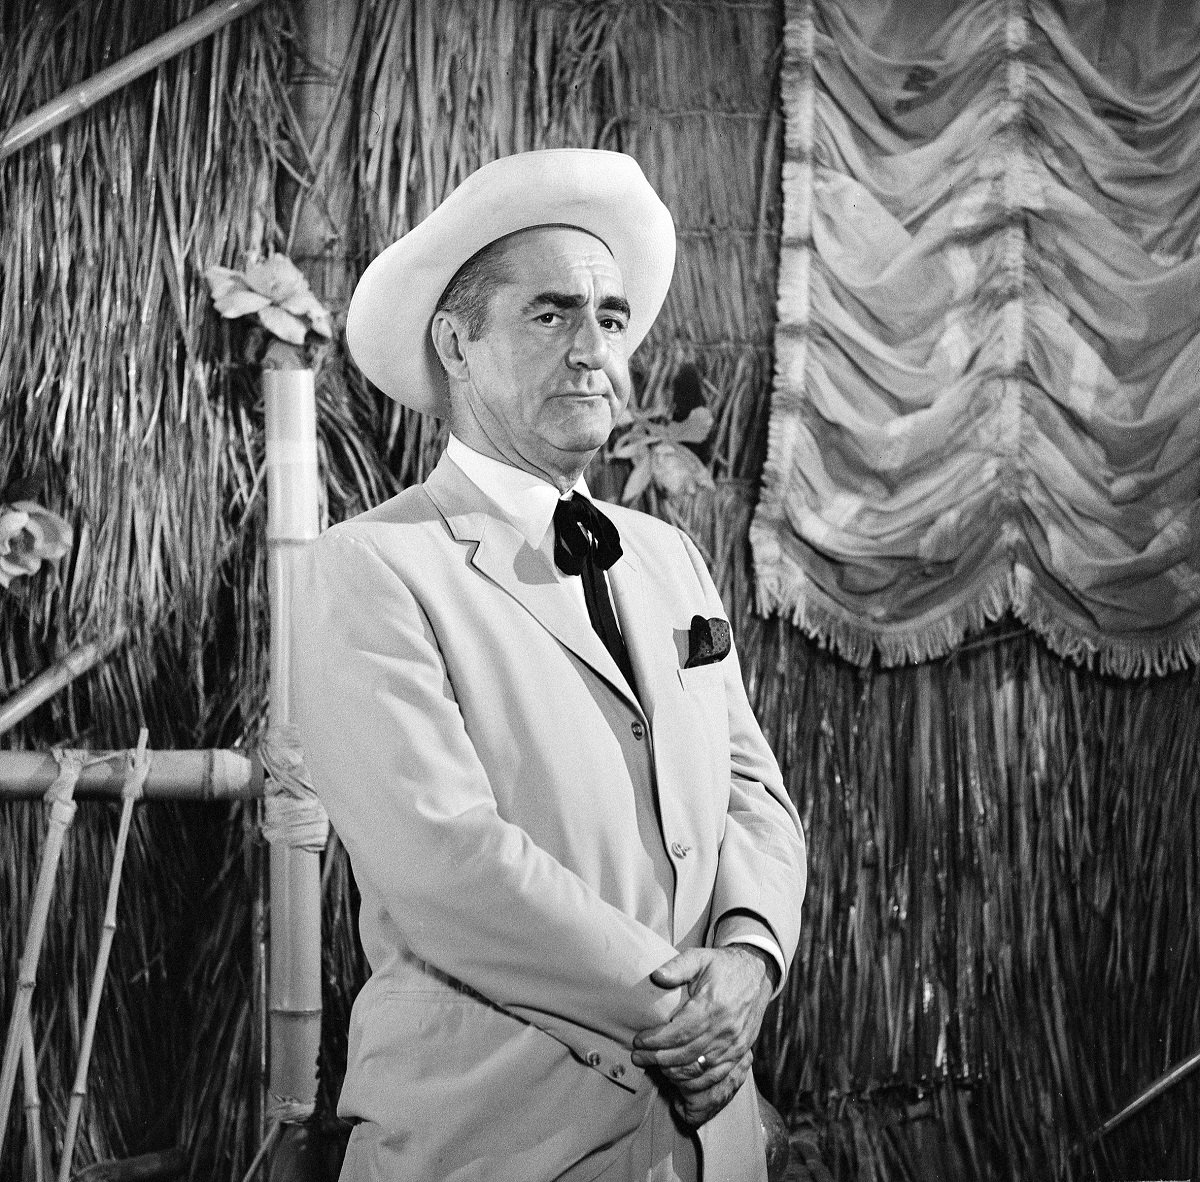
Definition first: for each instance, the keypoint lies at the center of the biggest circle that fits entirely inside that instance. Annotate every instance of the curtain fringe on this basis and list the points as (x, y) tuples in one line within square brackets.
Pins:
[(859, 641)]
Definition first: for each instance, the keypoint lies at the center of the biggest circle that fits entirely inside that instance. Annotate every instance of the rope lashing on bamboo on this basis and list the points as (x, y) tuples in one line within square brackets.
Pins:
[(60, 794), (280, 1111), (292, 814), (62, 813), (287, 1110), (131, 792), (294, 817)]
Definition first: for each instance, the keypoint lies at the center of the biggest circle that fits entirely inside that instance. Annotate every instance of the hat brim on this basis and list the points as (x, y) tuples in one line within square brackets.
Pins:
[(604, 193)]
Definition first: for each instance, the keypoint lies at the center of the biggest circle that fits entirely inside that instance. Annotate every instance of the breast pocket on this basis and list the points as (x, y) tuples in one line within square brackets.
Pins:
[(704, 679)]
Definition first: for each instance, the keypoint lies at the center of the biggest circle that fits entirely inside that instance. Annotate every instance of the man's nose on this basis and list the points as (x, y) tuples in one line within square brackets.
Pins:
[(588, 346)]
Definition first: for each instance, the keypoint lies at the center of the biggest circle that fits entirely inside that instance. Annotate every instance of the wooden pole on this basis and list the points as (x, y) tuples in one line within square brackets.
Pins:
[(79, 98), (318, 214), (174, 775), (47, 683), (33, 1106), (135, 778), (1164, 1083), (294, 981), (62, 813)]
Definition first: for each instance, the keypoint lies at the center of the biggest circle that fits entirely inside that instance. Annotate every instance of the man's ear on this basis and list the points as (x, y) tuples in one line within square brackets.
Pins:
[(448, 337)]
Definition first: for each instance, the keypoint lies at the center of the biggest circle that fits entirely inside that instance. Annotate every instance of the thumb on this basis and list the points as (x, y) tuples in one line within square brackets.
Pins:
[(679, 970)]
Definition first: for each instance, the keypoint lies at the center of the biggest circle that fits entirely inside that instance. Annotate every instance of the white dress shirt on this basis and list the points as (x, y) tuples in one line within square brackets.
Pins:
[(526, 500)]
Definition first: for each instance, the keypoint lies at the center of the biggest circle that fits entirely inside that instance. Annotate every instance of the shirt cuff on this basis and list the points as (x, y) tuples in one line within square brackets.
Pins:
[(743, 928)]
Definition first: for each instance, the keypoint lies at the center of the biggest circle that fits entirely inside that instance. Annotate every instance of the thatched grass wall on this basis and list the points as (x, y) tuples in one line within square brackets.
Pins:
[(118, 397), (999, 943)]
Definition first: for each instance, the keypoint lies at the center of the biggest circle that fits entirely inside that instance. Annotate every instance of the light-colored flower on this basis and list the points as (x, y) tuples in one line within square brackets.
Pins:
[(654, 445), (276, 292), (29, 536)]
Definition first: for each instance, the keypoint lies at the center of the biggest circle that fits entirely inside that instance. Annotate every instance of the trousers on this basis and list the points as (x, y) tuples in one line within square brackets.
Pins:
[(658, 1150)]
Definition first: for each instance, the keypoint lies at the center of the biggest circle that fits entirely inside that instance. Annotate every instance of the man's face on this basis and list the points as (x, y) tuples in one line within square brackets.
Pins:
[(550, 373)]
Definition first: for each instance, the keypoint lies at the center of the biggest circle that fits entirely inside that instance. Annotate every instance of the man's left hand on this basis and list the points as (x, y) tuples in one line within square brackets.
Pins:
[(727, 993)]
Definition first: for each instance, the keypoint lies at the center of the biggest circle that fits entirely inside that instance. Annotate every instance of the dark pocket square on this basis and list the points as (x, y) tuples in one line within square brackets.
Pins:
[(708, 641)]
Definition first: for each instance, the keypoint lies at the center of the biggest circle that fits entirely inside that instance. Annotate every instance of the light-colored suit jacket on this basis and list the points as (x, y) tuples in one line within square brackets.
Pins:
[(531, 838)]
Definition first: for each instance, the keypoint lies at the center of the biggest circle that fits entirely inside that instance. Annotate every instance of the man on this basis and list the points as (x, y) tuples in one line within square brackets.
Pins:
[(581, 875)]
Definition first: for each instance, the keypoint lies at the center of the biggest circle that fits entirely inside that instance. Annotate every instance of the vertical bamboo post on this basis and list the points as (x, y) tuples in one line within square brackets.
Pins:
[(294, 989), (321, 210), (317, 214)]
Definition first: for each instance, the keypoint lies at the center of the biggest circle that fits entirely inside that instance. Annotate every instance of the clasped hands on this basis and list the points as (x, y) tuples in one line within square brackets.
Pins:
[(705, 1049)]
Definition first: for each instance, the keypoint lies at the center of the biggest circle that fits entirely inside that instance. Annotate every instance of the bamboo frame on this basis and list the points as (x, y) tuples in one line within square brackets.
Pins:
[(79, 98), (46, 684), (212, 775)]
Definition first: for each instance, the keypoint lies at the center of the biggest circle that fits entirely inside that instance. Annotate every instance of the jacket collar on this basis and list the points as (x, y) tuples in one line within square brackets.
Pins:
[(529, 575)]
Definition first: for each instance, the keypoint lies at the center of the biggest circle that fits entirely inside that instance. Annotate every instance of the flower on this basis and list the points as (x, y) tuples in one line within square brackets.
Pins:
[(276, 292), (655, 446), (29, 536)]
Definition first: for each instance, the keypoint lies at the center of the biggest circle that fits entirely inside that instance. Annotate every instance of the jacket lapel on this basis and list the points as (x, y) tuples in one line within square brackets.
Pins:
[(640, 626), (503, 555)]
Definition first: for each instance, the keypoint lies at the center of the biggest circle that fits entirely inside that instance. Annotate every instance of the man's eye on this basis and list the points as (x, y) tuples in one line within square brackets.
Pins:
[(549, 318), (612, 324)]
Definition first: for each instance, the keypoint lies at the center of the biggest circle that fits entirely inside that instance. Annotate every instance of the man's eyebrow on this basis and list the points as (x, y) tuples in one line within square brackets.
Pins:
[(615, 304), (565, 301), (556, 299)]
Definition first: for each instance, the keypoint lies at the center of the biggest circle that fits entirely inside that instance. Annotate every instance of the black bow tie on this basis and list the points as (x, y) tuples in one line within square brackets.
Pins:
[(581, 529), (586, 543)]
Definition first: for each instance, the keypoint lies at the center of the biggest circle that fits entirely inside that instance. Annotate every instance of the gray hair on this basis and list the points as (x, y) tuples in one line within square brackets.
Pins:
[(469, 294)]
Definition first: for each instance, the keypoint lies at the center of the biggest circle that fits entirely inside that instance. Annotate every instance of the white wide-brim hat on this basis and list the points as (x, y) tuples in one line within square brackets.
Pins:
[(604, 193)]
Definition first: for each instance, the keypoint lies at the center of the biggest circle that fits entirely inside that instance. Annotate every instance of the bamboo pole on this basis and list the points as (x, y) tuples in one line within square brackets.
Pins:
[(135, 778), (62, 813), (320, 205), (320, 208), (47, 683), (1164, 1082), (207, 775), (79, 98), (294, 1001), (33, 1104), (163, 1163)]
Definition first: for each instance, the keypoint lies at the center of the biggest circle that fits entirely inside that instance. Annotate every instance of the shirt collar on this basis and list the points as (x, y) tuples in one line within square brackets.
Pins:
[(526, 500)]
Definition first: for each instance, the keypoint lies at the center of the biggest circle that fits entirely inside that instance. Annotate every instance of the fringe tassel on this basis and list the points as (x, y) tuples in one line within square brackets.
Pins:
[(788, 590)]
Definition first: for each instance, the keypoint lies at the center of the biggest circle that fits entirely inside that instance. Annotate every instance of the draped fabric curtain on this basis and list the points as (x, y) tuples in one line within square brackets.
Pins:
[(987, 387)]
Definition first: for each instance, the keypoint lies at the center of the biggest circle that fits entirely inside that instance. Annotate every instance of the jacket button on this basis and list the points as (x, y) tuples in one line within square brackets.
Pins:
[(639, 731), (593, 1058), (617, 1071), (679, 849)]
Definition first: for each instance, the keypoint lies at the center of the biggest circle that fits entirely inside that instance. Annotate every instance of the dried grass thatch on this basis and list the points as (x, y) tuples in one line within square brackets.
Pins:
[(115, 382), (998, 944)]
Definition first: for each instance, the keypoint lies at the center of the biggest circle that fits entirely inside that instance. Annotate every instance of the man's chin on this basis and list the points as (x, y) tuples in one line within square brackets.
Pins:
[(585, 431)]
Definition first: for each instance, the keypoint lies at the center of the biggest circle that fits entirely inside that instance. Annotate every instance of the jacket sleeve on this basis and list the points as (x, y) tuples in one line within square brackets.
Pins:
[(391, 759), (762, 868)]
